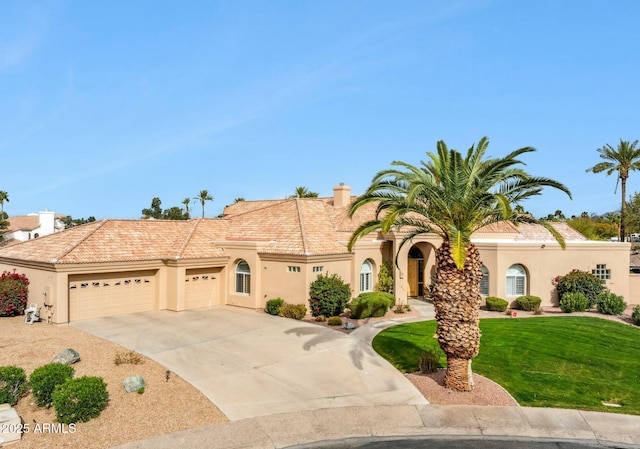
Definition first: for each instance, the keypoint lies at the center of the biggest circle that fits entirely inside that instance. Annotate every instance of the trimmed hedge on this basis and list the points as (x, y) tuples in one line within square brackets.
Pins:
[(13, 384), (528, 302), (334, 321), (46, 378), (80, 399), (496, 304), (610, 304), (273, 306), (371, 304), (574, 302), (295, 311)]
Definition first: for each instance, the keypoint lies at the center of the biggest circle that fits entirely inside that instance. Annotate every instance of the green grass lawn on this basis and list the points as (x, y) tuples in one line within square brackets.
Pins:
[(566, 362)]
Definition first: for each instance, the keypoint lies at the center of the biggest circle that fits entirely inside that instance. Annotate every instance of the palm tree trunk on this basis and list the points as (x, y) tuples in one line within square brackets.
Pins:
[(623, 209), (456, 297)]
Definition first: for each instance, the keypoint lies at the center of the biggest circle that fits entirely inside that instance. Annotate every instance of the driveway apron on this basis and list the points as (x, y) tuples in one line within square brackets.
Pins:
[(252, 364)]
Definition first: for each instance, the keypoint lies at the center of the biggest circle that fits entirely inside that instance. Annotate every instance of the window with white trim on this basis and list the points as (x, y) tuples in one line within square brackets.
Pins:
[(318, 269), (601, 271), (484, 282), (243, 277), (293, 269), (516, 281), (366, 275)]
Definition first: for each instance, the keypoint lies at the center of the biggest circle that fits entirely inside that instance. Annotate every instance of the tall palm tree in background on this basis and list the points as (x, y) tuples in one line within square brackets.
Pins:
[(4, 196), (186, 203), (623, 160), (303, 192), (202, 198), (453, 196)]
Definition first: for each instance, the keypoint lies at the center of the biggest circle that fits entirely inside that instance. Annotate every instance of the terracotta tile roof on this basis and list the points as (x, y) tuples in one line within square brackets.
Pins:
[(296, 226), (123, 241), (23, 223)]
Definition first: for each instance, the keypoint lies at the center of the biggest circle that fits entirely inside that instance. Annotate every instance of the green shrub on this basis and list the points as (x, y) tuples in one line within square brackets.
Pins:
[(528, 302), (574, 302), (328, 295), (80, 399), (496, 304), (334, 321), (583, 282), (610, 304), (273, 306), (428, 362), (321, 318), (635, 315), (13, 384), (14, 293), (385, 277), (46, 378), (371, 304), (295, 311)]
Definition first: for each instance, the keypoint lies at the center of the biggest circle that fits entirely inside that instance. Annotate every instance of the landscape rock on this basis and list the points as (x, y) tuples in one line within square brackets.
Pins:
[(67, 356), (134, 383)]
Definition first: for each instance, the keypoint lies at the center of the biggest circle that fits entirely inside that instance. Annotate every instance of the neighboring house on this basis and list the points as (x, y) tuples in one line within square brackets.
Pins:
[(275, 248), (27, 227)]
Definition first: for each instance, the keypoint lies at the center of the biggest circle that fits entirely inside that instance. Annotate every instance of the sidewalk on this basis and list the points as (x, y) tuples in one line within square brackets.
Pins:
[(413, 421)]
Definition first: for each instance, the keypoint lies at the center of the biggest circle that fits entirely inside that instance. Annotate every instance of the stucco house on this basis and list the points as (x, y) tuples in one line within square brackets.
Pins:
[(27, 227), (275, 248)]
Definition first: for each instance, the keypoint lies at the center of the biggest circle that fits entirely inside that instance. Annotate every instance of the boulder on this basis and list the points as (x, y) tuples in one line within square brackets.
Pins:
[(67, 356), (134, 383)]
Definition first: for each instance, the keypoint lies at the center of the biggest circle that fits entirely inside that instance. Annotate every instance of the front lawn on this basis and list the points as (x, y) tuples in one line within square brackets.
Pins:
[(565, 362)]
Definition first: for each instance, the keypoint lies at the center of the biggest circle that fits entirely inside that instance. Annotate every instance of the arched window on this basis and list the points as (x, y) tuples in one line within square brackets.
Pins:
[(366, 275), (484, 283), (516, 281), (243, 277)]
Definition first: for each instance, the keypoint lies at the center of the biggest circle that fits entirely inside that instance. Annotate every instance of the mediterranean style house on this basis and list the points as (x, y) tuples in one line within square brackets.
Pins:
[(259, 250)]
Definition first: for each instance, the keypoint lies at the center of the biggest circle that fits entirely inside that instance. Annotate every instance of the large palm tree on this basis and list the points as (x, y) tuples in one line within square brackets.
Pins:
[(623, 160), (202, 198), (452, 196)]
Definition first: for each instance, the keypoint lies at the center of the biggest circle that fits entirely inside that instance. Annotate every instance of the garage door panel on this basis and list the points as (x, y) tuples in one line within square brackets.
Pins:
[(92, 296), (201, 288)]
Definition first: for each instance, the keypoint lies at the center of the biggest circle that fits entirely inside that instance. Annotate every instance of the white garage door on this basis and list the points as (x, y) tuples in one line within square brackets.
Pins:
[(201, 288), (92, 296)]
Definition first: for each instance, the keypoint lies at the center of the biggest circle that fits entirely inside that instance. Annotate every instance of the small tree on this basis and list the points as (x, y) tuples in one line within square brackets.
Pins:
[(155, 211), (385, 277), (328, 295)]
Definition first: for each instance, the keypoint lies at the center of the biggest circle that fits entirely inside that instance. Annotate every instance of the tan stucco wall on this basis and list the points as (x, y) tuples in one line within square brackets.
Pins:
[(543, 262), (634, 289)]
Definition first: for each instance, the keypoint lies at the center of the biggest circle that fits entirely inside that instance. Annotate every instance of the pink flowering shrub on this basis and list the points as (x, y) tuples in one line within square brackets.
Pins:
[(14, 293)]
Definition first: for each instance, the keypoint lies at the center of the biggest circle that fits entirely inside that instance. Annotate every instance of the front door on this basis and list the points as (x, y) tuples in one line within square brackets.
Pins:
[(412, 276)]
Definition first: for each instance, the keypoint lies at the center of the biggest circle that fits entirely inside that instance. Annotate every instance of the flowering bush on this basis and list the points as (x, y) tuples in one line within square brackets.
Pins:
[(14, 293)]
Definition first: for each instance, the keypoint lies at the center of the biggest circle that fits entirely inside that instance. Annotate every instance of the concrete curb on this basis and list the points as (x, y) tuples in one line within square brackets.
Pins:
[(413, 421)]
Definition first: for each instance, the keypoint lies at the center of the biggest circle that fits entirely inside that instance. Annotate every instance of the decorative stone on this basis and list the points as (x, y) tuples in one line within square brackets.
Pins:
[(67, 356), (134, 383)]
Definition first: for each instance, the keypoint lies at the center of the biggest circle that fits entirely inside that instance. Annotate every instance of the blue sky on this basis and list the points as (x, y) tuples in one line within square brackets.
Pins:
[(105, 105)]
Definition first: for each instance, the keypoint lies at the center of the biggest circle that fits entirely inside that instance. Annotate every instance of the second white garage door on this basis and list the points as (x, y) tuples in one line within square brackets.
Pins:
[(201, 288)]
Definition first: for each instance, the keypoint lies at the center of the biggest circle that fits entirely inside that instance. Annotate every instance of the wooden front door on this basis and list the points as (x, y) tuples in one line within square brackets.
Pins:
[(412, 276)]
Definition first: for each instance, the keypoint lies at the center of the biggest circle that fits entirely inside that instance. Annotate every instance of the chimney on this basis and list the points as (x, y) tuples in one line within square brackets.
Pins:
[(341, 195), (47, 222)]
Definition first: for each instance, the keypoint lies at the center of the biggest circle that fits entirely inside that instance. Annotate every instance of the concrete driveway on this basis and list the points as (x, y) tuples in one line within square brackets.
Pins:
[(252, 364)]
